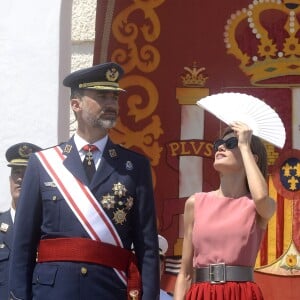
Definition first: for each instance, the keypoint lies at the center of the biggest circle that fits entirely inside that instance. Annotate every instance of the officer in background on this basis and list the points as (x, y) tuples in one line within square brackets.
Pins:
[(17, 158), (83, 204), (163, 248)]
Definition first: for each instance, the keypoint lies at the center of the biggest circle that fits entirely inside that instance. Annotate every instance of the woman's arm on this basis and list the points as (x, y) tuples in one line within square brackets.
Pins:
[(265, 206)]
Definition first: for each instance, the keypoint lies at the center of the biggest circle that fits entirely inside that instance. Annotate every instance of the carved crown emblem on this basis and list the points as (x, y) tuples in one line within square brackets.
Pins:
[(264, 37), (194, 76)]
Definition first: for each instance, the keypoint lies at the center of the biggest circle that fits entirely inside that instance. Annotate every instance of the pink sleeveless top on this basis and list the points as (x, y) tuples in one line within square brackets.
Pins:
[(225, 230)]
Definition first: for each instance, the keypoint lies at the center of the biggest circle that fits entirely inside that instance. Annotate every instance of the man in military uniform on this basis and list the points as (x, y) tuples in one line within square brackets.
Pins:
[(17, 158), (84, 203)]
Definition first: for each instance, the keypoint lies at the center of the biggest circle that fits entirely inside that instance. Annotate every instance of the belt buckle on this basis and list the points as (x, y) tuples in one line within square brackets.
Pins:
[(217, 273)]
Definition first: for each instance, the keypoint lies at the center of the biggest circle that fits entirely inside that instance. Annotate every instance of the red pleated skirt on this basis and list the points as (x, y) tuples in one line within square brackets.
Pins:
[(227, 291)]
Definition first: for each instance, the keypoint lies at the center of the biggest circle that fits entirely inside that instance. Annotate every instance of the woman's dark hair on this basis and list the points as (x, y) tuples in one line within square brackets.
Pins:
[(257, 148)]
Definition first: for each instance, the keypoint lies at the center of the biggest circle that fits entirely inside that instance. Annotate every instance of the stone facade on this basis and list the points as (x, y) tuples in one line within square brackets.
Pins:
[(83, 38)]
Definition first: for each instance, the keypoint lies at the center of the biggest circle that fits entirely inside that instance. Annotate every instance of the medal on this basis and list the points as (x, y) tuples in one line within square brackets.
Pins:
[(108, 201), (119, 216), (119, 189)]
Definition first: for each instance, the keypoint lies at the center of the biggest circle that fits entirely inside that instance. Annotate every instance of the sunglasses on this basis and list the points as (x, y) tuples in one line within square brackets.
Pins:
[(230, 143)]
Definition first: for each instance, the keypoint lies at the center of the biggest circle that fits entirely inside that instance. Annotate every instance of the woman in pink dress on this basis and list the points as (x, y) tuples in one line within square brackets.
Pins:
[(223, 229)]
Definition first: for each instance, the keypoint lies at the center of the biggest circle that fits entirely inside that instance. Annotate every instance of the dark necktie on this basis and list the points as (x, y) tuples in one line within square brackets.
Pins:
[(88, 162)]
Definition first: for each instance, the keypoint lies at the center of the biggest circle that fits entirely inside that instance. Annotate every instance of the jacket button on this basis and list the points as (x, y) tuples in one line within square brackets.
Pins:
[(83, 270)]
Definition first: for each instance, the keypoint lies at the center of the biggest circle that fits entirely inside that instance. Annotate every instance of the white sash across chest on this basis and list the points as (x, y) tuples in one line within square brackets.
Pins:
[(80, 200)]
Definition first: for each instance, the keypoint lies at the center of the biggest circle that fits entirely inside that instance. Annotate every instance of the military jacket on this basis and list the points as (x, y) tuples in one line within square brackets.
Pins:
[(43, 213), (6, 237)]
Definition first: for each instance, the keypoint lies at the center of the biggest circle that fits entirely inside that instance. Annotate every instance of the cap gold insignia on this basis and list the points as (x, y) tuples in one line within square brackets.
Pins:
[(67, 148), (112, 74), (119, 189), (4, 227), (119, 216), (25, 151), (112, 152)]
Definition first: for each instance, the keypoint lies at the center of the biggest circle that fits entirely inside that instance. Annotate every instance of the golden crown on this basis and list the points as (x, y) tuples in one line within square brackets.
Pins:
[(194, 76), (265, 38)]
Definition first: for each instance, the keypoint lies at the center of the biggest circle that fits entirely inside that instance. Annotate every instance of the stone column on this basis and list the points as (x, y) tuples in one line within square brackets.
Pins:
[(192, 127)]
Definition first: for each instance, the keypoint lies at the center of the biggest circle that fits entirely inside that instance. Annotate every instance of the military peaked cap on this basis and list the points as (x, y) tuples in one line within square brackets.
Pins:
[(105, 76), (18, 154)]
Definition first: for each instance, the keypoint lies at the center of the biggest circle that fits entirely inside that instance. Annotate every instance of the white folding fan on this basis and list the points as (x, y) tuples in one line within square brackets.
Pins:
[(259, 116)]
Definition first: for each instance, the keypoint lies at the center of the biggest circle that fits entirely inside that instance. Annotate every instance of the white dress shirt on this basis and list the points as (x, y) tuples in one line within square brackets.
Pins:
[(100, 144)]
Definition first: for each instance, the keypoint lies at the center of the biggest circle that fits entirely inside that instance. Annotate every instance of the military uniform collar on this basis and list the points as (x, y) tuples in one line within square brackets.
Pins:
[(80, 142)]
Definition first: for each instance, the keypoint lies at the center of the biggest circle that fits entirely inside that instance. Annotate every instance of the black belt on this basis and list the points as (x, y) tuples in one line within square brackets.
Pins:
[(220, 273)]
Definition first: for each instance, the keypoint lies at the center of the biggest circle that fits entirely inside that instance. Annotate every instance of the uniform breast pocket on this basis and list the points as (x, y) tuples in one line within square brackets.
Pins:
[(52, 209)]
